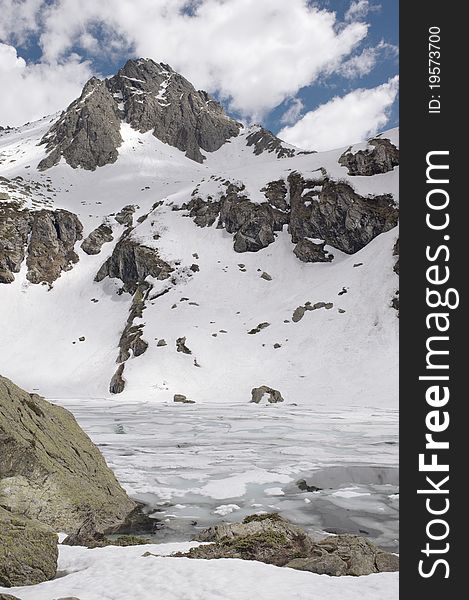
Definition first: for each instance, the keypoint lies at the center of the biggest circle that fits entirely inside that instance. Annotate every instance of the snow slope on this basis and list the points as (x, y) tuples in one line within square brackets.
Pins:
[(115, 573), (329, 357)]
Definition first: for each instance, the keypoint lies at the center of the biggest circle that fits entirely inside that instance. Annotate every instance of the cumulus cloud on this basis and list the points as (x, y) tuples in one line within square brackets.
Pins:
[(32, 91), (344, 120), (253, 53), (363, 63)]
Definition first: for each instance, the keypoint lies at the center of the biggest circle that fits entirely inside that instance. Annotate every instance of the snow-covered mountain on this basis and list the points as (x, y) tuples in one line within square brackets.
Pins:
[(152, 246)]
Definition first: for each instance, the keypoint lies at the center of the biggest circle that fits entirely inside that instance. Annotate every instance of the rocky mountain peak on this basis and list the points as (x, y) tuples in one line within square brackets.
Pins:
[(147, 95)]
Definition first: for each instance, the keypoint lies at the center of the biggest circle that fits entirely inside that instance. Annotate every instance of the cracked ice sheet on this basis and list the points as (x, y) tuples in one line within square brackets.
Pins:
[(186, 461)]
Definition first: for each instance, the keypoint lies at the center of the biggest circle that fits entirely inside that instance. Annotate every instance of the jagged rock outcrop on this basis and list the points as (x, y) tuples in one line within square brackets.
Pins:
[(253, 224), (149, 96), (203, 212), (264, 392), (154, 97), (131, 341), (381, 158), (117, 384), (333, 212), (46, 237), (51, 244), (276, 193), (93, 243), (132, 262), (49, 468), (271, 539), (87, 134), (28, 551), (264, 140), (15, 225), (309, 251), (125, 215)]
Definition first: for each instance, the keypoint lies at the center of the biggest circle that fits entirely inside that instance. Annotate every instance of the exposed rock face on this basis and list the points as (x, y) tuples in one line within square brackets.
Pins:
[(155, 97), (51, 245), (49, 468), (312, 208), (308, 251), (88, 133), (28, 551), (265, 392), (264, 140), (383, 157), (125, 216), (271, 539), (346, 555), (131, 340), (276, 193), (252, 224), (395, 252), (149, 96), (204, 212), (117, 384), (336, 214), (181, 346), (14, 232), (47, 237), (93, 243), (131, 263)]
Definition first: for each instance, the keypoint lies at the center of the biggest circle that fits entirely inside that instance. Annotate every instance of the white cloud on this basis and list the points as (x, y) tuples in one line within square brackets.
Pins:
[(293, 112), (342, 121), (256, 53), (359, 9), (18, 18), (363, 63), (32, 91)]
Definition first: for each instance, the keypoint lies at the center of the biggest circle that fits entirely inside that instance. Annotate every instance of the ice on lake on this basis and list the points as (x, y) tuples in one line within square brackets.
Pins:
[(196, 465)]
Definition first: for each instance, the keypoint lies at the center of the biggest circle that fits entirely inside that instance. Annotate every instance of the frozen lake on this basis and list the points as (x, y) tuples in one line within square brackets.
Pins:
[(195, 465)]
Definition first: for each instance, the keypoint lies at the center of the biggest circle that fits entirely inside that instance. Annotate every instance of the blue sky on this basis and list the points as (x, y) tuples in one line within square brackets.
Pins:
[(317, 72)]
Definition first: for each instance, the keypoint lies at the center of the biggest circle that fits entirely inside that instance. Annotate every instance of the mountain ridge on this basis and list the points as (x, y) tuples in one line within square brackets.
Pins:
[(161, 247)]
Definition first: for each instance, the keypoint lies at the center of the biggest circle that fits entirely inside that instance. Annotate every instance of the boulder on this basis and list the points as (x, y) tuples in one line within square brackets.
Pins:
[(93, 243), (358, 556), (182, 399), (308, 251), (28, 551), (264, 392), (271, 539), (267, 538), (49, 468), (125, 215)]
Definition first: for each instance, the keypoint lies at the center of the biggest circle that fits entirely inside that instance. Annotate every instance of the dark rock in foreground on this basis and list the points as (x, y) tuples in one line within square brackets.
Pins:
[(271, 539), (49, 468), (28, 551)]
